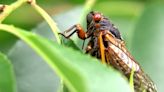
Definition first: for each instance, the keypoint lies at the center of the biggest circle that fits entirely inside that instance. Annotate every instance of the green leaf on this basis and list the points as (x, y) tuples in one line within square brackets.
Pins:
[(80, 72), (148, 43), (69, 43), (32, 73), (6, 41), (7, 78)]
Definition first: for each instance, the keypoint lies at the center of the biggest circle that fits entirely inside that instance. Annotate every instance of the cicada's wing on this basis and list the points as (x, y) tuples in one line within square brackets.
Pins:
[(118, 56)]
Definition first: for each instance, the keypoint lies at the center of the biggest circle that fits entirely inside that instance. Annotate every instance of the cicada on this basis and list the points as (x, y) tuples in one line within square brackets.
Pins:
[(106, 43)]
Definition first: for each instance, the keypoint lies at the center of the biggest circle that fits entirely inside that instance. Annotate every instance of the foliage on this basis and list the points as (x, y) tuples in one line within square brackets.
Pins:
[(140, 23)]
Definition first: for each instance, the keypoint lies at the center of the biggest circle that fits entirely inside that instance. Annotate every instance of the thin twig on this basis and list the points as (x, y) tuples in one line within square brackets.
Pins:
[(7, 10), (87, 7), (47, 18)]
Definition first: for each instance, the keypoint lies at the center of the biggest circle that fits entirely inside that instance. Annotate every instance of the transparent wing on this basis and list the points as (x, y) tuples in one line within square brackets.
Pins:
[(118, 56)]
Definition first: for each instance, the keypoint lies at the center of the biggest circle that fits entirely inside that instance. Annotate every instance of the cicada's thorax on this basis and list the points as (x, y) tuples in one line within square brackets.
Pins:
[(94, 30)]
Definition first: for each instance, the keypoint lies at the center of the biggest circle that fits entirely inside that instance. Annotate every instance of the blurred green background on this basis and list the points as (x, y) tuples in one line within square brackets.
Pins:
[(141, 23)]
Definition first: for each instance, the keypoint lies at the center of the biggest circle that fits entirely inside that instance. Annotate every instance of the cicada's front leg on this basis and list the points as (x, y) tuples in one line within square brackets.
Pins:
[(77, 28)]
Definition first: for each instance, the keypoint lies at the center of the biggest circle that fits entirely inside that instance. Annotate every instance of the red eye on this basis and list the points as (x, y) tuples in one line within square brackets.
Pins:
[(97, 17)]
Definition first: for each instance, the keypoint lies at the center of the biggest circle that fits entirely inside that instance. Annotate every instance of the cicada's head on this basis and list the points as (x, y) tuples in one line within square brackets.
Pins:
[(92, 19), (94, 16)]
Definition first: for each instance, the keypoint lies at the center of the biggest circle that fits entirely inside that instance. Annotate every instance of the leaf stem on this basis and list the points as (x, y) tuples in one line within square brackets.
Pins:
[(49, 20), (8, 9), (87, 7)]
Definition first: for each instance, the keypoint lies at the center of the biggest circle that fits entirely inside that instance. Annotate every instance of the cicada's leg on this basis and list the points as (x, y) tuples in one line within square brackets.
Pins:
[(93, 48), (70, 29), (102, 48), (88, 48), (77, 28)]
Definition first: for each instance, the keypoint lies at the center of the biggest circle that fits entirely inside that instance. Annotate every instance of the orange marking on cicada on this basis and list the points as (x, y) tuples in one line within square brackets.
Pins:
[(101, 48), (97, 25)]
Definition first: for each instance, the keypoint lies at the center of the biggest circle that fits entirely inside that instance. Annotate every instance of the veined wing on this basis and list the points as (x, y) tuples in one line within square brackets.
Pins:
[(117, 55)]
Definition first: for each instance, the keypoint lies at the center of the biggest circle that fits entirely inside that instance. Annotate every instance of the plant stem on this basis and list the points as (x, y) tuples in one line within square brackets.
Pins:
[(82, 19), (49, 20), (87, 7), (7, 10)]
